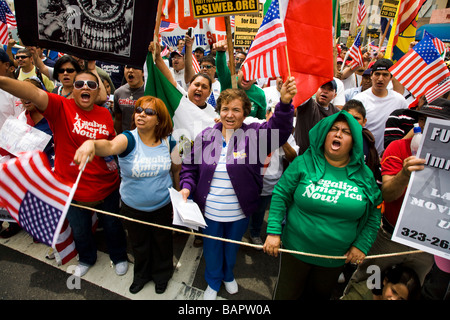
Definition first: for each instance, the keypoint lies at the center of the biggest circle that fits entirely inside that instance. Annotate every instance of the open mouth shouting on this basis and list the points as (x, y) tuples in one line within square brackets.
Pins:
[(335, 145)]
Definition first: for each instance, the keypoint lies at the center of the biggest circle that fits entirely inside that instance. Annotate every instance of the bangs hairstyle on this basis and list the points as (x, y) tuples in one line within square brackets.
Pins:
[(165, 126), (229, 95), (357, 105), (63, 60)]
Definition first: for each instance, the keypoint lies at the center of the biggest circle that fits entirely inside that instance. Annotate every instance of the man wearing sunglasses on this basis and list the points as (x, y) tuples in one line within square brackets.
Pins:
[(74, 121), (27, 69)]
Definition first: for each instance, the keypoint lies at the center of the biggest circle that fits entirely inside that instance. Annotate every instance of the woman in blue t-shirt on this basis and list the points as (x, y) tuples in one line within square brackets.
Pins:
[(146, 162)]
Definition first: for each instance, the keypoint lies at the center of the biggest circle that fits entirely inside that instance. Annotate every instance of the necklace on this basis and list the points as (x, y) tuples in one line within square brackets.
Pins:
[(61, 94)]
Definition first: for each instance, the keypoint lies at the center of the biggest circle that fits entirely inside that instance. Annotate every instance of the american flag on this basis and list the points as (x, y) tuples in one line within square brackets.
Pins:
[(34, 197), (267, 56), (407, 12), (355, 52), (440, 46), (438, 90), (362, 12), (6, 18), (421, 68), (167, 26), (195, 64)]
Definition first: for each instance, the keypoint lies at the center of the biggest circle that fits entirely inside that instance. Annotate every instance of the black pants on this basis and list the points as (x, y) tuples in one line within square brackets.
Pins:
[(298, 280), (152, 246)]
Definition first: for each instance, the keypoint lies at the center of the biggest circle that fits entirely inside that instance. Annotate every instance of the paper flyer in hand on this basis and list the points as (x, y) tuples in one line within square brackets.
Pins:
[(186, 214)]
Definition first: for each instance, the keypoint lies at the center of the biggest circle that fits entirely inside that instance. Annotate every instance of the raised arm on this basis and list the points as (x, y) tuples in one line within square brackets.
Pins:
[(189, 71), (102, 95), (25, 90), (155, 48)]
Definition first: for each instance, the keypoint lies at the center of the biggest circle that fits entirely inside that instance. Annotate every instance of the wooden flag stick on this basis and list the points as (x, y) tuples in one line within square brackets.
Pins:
[(287, 60), (384, 35), (231, 52), (157, 24)]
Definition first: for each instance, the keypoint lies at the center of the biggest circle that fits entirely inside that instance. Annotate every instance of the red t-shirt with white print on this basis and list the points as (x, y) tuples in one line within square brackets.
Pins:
[(71, 126)]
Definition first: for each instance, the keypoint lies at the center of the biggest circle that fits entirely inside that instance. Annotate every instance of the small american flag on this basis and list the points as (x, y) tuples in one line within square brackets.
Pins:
[(438, 90), (421, 68), (6, 18), (34, 197), (267, 56), (355, 52), (167, 26), (362, 12), (440, 46)]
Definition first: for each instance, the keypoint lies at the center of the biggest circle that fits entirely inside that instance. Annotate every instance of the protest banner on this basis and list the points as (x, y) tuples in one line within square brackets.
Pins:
[(111, 31), (217, 8), (246, 27), (424, 220)]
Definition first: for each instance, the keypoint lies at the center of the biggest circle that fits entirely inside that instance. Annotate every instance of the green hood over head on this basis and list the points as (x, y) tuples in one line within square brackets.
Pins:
[(356, 169)]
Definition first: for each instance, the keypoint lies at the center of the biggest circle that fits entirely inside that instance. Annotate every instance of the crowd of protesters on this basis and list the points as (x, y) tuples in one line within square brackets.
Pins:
[(333, 185)]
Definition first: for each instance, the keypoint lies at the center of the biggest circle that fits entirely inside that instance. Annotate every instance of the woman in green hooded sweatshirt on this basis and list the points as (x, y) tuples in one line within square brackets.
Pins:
[(330, 197)]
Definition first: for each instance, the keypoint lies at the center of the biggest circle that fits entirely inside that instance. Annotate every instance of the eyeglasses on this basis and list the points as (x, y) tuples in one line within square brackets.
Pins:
[(79, 84), (206, 66), (22, 57), (68, 70), (148, 111)]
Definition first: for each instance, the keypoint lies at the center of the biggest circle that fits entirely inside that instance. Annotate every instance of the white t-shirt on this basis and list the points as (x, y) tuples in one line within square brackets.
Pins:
[(272, 96), (378, 111), (179, 77)]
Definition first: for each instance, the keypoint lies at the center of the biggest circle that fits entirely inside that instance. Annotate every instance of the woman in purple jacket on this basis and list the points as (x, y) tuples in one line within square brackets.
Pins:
[(223, 176)]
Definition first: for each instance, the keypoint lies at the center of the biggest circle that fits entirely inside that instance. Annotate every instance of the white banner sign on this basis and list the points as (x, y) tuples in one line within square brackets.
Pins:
[(424, 220)]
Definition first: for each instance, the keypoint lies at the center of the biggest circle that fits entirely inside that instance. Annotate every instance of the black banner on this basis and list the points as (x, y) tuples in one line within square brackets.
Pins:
[(112, 31)]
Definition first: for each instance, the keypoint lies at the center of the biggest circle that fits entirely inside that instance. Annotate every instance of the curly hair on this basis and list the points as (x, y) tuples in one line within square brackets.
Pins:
[(229, 95)]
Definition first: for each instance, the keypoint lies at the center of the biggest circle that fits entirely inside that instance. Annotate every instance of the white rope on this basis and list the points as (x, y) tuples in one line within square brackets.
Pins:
[(257, 246)]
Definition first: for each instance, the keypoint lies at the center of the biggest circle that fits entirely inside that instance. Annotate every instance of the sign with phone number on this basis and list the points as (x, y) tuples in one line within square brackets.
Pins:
[(424, 220), (216, 8)]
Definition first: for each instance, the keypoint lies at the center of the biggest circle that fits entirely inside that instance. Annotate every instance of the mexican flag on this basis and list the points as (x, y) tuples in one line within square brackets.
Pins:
[(188, 119)]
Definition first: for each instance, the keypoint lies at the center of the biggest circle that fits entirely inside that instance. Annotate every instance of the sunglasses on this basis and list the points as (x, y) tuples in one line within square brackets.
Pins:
[(68, 70), (148, 111), (207, 66), (22, 57), (79, 84)]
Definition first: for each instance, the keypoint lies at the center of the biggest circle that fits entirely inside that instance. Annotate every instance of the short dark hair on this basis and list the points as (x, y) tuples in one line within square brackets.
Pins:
[(357, 105), (209, 59), (228, 95), (65, 59), (204, 75), (404, 275)]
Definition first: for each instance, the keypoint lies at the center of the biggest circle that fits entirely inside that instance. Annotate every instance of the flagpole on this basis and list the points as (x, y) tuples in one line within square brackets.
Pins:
[(157, 24), (66, 206), (230, 52), (336, 40), (287, 60), (384, 36)]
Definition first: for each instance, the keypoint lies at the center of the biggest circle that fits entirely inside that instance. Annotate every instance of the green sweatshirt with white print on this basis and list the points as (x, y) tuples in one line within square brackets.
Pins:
[(329, 209)]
